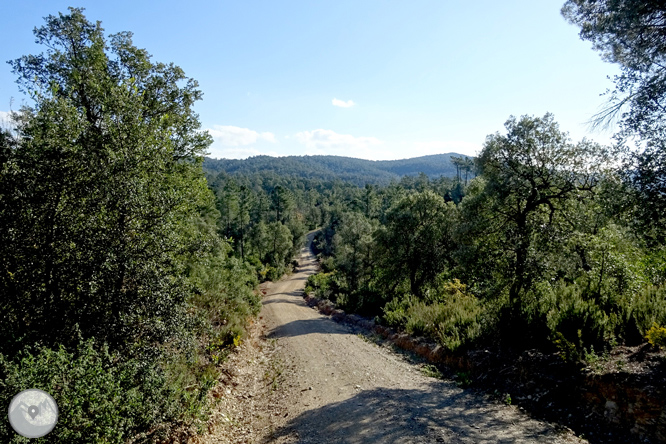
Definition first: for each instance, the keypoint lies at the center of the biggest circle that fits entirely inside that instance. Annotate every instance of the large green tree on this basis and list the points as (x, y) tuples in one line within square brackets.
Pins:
[(101, 189), (416, 243), (632, 34), (354, 249), (529, 174)]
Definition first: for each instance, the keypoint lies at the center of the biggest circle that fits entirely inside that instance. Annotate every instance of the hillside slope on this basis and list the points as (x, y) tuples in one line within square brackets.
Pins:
[(328, 168)]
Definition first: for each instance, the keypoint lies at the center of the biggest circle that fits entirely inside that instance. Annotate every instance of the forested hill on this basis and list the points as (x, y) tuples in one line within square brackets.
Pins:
[(349, 169)]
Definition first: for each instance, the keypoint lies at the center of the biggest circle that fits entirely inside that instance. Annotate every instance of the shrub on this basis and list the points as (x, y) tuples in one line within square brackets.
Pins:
[(327, 265), (225, 301), (395, 312), (656, 336), (100, 399), (584, 319), (274, 273), (452, 317), (646, 308), (580, 319), (323, 285)]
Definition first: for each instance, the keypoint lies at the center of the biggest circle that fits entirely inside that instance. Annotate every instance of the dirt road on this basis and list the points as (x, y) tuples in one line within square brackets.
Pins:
[(337, 387)]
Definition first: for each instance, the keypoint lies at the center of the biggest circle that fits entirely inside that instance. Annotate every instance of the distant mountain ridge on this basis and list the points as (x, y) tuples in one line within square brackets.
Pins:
[(329, 168)]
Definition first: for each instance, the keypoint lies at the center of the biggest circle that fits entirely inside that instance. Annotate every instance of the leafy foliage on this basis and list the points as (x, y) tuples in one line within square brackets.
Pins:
[(656, 336), (630, 33), (323, 285), (416, 239), (452, 316), (99, 399), (118, 295), (545, 253), (98, 192)]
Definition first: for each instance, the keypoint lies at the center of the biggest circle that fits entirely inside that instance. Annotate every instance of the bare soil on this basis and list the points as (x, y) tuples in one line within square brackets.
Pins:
[(302, 378)]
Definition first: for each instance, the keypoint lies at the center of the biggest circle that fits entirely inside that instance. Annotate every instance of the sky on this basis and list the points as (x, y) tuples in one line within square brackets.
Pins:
[(370, 79)]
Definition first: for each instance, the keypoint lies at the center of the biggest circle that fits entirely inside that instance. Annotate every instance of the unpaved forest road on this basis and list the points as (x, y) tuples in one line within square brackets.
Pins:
[(340, 388)]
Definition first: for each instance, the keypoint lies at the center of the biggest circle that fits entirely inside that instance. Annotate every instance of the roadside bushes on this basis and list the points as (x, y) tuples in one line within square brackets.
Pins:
[(451, 316), (577, 318), (225, 298), (656, 336), (647, 307), (323, 285), (99, 398)]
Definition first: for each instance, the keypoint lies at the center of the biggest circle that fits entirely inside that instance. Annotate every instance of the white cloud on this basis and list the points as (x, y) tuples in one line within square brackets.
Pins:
[(269, 137), (219, 152), (321, 141), (343, 104), (237, 136)]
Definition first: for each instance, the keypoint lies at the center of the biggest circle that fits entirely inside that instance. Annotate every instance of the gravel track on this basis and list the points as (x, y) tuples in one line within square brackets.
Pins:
[(330, 385)]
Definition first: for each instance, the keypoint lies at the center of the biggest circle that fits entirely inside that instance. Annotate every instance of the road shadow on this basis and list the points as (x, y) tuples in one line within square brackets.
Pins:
[(440, 413), (274, 298), (310, 269), (282, 301), (303, 327)]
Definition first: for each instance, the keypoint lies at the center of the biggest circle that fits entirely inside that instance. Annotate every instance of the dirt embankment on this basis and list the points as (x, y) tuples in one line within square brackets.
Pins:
[(302, 377)]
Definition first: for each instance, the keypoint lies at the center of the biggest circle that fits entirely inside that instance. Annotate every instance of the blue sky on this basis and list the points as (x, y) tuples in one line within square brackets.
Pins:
[(363, 78)]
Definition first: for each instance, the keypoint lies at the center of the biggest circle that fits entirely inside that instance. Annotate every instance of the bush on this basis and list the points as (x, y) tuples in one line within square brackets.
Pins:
[(452, 317), (100, 399), (327, 265), (586, 320), (656, 336), (646, 308), (580, 319), (323, 285), (274, 273), (226, 299)]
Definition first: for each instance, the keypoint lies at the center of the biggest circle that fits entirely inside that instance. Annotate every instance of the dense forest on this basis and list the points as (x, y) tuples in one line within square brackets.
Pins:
[(348, 169), (129, 262), (547, 248)]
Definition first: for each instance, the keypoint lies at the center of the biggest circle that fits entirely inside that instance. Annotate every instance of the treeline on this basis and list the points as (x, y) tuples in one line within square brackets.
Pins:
[(347, 169), (265, 216), (550, 247), (118, 295)]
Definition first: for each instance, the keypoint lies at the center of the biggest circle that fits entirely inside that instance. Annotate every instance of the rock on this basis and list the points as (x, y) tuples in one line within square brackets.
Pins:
[(611, 410)]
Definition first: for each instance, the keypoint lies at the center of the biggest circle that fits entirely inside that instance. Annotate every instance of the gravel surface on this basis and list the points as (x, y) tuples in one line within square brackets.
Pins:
[(302, 378)]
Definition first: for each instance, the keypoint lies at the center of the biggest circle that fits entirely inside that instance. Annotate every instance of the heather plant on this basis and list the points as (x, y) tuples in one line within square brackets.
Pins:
[(452, 317), (656, 336)]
